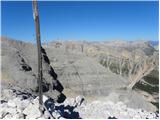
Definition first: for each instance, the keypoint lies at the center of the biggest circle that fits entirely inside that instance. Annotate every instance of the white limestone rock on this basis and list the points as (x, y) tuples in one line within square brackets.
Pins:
[(36, 101), (46, 115), (114, 97), (8, 116), (62, 118), (45, 98), (7, 94), (23, 104), (29, 108), (69, 101), (18, 116), (17, 100), (11, 103), (32, 111), (56, 114), (79, 100), (12, 111), (3, 112)]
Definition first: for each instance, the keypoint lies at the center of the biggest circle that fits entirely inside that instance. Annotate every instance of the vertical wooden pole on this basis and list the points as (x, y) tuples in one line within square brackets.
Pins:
[(37, 29)]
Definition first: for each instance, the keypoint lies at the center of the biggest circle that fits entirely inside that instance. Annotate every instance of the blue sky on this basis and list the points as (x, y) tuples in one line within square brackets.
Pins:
[(93, 21)]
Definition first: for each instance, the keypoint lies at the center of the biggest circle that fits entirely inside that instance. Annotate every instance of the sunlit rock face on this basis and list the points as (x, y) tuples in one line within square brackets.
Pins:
[(85, 68), (20, 64), (134, 61), (20, 104), (75, 70)]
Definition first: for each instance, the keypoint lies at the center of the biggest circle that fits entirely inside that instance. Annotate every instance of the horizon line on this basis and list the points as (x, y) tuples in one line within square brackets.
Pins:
[(71, 40)]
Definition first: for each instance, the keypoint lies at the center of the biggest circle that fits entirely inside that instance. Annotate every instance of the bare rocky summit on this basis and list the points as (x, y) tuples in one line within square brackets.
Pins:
[(15, 105), (135, 61), (116, 71)]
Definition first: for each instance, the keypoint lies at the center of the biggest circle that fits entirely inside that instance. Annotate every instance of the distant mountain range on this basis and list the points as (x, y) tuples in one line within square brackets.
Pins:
[(154, 43)]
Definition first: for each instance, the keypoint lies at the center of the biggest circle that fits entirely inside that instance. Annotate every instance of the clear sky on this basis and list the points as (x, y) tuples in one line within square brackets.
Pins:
[(82, 20)]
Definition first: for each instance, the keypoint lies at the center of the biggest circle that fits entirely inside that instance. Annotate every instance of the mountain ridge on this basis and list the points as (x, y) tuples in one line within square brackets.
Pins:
[(80, 63)]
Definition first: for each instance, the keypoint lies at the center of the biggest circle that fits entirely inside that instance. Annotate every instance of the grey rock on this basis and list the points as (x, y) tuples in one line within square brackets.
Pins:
[(22, 68), (8, 116), (16, 101), (23, 104), (79, 100), (11, 103), (46, 115), (32, 111), (80, 67), (56, 114), (114, 97), (3, 113), (69, 101), (74, 108), (7, 94), (18, 116)]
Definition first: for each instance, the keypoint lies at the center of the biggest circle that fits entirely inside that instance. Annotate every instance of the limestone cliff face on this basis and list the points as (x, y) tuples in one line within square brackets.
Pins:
[(75, 70), (16, 63), (87, 68), (90, 78), (134, 61), (19, 67)]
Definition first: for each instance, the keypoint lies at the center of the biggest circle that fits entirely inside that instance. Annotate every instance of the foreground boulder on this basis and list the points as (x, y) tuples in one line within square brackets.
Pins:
[(72, 108), (32, 110)]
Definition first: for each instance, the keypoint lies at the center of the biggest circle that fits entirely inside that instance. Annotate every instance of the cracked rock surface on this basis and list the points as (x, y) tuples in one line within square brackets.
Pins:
[(85, 68), (14, 105)]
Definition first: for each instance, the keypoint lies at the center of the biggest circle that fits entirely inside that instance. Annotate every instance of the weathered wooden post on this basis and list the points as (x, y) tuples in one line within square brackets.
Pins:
[(37, 29)]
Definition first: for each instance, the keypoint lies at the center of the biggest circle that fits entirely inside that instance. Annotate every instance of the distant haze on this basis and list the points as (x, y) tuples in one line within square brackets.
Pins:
[(154, 43)]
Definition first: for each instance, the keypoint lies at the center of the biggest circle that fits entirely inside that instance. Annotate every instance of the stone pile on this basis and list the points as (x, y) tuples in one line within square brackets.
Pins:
[(23, 105), (14, 103), (106, 110)]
